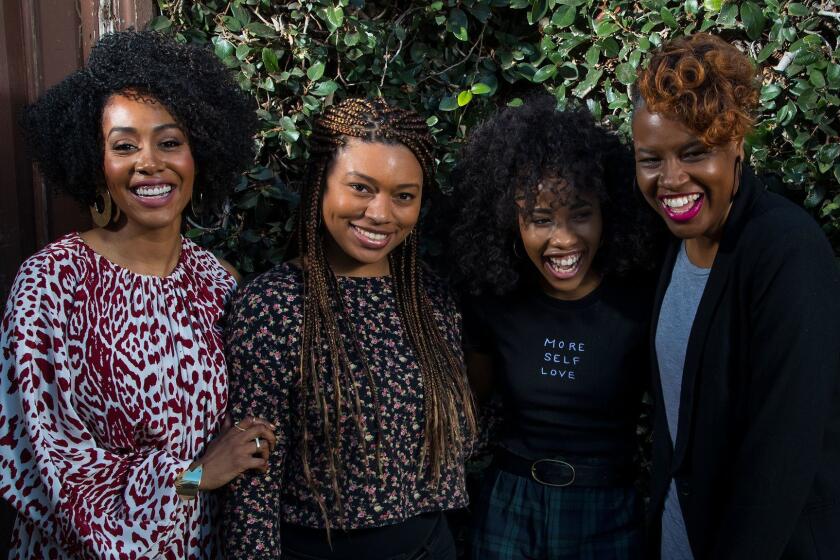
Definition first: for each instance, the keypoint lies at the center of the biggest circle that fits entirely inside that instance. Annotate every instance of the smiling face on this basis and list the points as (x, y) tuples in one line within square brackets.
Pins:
[(147, 163), (561, 238), (690, 184), (370, 205)]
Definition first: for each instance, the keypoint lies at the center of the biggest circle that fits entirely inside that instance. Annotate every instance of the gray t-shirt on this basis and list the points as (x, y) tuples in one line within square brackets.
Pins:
[(675, 319)]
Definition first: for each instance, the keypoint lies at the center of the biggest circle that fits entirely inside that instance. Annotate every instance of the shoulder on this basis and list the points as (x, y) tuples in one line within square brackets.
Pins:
[(210, 269), (278, 289), (58, 267), (777, 229)]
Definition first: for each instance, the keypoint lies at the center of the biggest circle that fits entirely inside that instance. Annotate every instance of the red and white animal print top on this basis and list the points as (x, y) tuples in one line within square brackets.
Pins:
[(111, 383)]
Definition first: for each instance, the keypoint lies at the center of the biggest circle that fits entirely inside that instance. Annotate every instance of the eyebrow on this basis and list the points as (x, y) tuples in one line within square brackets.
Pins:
[(132, 130), (579, 203), (370, 179)]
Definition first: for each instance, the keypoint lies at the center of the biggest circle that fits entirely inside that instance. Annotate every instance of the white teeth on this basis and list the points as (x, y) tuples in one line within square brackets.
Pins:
[(678, 201), (371, 235), (566, 261), (153, 190)]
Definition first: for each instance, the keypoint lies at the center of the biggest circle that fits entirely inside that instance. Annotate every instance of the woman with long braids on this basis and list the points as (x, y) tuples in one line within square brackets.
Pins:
[(746, 450), (353, 351)]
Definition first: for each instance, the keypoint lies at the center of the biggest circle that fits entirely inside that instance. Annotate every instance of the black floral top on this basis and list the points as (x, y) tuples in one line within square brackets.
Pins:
[(263, 341)]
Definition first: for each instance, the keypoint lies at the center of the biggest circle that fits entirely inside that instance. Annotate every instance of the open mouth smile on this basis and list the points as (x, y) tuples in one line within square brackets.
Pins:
[(682, 207), (153, 195), (371, 239), (563, 267)]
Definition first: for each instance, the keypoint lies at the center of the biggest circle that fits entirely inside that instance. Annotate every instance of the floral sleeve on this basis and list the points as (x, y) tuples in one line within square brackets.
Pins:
[(255, 351)]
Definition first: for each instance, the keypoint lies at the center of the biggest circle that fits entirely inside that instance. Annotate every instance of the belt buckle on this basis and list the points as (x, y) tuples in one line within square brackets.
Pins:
[(558, 461)]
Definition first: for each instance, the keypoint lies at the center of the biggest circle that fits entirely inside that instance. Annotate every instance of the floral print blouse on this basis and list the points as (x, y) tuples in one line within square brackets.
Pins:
[(263, 342)]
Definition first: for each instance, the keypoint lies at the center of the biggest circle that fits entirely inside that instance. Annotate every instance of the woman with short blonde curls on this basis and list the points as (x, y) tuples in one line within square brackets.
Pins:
[(746, 323)]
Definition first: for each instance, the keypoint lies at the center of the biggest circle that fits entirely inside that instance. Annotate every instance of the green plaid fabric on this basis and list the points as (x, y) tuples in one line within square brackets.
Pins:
[(517, 518)]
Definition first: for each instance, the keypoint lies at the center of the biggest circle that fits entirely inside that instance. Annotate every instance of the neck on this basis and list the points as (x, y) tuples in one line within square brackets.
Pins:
[(152, 252), (701, 251), (343, 265)]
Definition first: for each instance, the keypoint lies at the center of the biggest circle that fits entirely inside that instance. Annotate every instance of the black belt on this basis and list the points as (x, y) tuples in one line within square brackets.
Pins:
[(560, 471)]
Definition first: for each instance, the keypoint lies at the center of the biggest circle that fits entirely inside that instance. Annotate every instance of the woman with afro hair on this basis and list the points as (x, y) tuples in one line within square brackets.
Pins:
[(112, 372), (551, 242), (746, 450)]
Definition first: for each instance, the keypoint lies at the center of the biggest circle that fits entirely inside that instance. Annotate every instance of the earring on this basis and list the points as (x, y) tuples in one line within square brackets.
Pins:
[(101, 211), (736, 180), (197, 208), (515, 252)]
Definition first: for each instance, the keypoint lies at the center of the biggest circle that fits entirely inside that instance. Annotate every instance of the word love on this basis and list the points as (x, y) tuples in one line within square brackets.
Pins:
[(562, 356)]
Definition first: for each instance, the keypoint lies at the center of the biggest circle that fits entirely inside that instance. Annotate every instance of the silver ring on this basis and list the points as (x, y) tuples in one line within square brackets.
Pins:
[(257, 441)]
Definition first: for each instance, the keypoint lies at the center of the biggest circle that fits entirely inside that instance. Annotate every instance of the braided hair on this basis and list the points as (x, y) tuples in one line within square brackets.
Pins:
[(446, 395)]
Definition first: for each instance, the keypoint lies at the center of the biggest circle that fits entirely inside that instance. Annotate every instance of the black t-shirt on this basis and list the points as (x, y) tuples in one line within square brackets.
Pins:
[(570, 373)]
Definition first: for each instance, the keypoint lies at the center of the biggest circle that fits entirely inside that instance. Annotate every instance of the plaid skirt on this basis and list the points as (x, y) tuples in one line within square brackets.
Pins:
[(517, 518)]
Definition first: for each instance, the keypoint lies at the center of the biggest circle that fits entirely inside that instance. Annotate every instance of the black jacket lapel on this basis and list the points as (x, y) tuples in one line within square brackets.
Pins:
[(748, 192)]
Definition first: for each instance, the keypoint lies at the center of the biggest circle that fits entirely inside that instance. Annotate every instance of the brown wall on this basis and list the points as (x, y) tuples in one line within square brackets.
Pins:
[(42, 41)]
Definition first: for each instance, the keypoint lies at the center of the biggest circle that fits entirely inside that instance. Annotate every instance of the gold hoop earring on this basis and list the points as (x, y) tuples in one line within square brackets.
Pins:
[(101, 211)]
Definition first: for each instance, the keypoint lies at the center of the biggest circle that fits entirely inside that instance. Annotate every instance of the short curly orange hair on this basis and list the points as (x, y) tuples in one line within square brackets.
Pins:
[(703, 82)]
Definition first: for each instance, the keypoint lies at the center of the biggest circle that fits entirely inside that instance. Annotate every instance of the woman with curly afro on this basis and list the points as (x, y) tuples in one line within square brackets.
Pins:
[(112, 372), (746, 459), (551, 241)]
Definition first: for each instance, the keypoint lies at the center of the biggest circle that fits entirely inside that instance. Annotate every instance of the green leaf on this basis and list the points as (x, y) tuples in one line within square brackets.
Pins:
[(691, 7), (816, 78), (335, 17), (829, 153), (232, 24), (515, 102), (544, 73), (325, 88), (786, 114), (765, 52), (242, 51), (457, 24), (352, 39), (315, 71), (753, 19), (480, 88), (564, 16), (269, 58), (592, 55), (796, 9), (770, 92), (832, 74), (668, 18), (728, 15), (815, 197), (222, 48), (448, 103), (432, 121), (464, 97), (538, 9), (625, 73), (160, 23), (568, 71), (605, 27), (712, 5)]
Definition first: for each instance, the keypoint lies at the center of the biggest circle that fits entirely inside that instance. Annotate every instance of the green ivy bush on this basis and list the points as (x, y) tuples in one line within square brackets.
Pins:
[(456, 60)]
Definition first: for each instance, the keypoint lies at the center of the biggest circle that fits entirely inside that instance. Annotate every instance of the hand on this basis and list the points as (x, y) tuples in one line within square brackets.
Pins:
[(235, 451)]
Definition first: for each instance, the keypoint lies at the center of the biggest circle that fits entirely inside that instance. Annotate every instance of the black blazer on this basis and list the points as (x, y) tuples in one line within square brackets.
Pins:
[(757, 455)]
